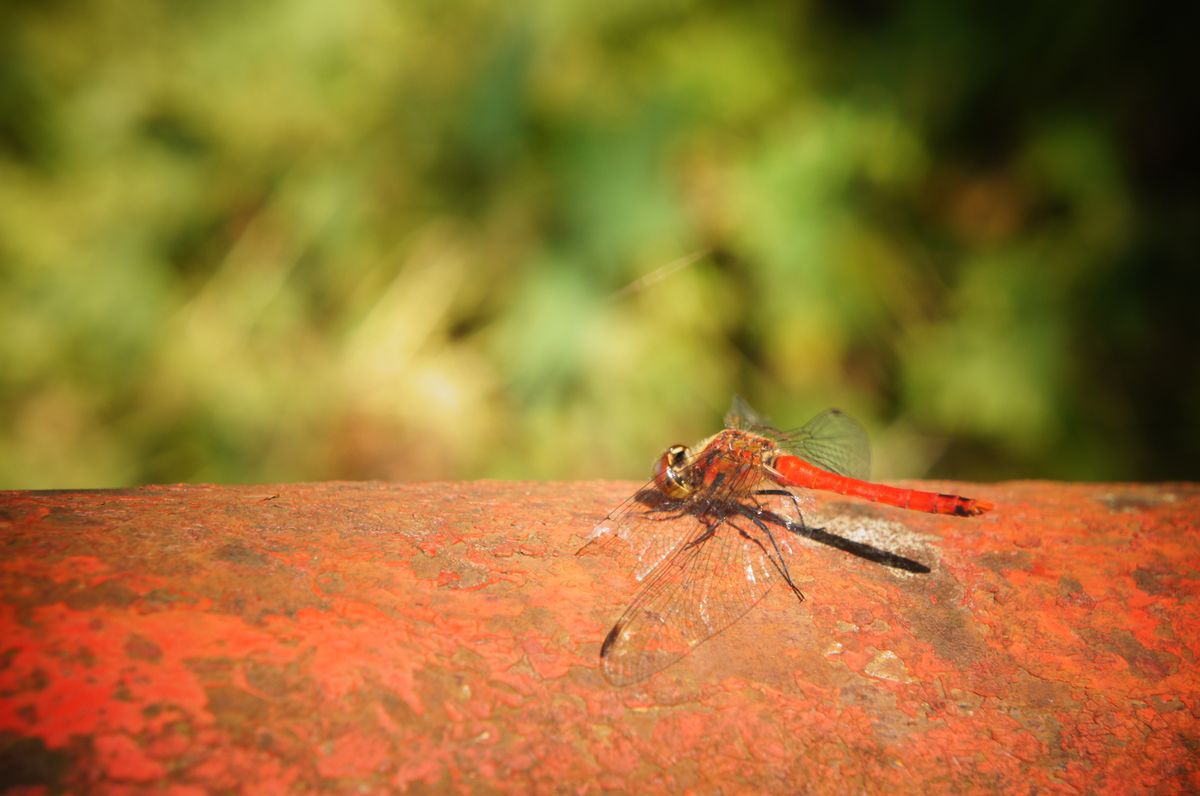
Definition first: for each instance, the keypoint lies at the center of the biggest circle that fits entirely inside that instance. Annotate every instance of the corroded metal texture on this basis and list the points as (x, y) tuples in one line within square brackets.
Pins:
[(443, 636)]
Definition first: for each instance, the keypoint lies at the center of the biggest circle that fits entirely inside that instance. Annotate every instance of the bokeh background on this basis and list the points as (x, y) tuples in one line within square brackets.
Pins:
[(431, 239)]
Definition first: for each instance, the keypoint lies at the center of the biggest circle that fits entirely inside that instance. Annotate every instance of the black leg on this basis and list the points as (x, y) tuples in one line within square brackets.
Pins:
[(791, 526), (777, 561), (708, 532)]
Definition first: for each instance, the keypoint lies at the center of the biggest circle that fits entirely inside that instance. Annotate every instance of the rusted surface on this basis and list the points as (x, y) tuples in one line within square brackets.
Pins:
[(366, 637)]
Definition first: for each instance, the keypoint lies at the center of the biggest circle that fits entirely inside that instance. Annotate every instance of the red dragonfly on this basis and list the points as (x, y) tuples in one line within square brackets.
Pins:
[(707, 536)]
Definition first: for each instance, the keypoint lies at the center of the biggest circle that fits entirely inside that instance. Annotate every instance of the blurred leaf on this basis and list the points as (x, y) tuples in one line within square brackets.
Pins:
[(313, 240)]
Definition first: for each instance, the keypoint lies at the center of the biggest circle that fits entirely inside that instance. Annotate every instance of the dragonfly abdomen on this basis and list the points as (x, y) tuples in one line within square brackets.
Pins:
[(799, 473)]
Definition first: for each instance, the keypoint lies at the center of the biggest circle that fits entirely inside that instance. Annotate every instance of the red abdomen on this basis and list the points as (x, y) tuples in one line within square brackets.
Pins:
[(799, 473)]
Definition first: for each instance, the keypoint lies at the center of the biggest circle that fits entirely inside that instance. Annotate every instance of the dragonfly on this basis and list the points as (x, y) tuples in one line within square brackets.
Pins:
[(709, 535)]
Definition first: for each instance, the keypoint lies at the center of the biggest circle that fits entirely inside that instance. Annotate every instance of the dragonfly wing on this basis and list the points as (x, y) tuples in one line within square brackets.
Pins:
[(833, 441), (735, 556), (742, 415), (703, 560), (645, 529), (641, 532)]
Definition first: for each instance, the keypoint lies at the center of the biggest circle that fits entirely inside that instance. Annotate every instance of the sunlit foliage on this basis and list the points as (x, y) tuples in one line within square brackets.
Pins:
[(311, 240)]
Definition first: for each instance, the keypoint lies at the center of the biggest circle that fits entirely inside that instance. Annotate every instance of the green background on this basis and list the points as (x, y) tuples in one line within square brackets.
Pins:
[(313, 240)]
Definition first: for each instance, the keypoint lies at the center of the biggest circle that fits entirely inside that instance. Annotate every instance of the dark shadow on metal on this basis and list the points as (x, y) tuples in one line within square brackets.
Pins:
[(860, 549)]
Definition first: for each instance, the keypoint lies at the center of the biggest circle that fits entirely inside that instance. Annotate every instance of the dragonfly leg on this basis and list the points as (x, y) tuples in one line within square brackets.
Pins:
[(791, 526), (709, 530), (777, 561)]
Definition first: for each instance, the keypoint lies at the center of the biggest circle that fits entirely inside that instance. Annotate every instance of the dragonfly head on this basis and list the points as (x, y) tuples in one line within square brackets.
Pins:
[(668, 472)]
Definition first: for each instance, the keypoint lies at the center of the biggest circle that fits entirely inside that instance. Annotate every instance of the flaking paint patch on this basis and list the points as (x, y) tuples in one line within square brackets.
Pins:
[(337, 667), (886, 535), (1130, 502), (886, 665)]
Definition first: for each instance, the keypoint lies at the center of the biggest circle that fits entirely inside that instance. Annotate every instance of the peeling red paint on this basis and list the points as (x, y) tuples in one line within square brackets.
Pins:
[(376, 637)]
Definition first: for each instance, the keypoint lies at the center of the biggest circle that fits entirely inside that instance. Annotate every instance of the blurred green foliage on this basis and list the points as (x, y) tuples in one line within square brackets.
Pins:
[(310, 240)]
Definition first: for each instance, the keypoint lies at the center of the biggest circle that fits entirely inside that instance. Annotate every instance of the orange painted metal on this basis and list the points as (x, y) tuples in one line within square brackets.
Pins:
[(442, 636)]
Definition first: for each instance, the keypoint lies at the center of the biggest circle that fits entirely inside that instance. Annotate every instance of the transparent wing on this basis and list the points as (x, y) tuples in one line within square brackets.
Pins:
[(703, 562), (742, 415), (640, 533), (832, 440), (649, 526), (704, 587)]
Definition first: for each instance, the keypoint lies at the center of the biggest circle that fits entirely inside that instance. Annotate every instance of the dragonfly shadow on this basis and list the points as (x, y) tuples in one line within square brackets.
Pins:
[(655, 500), (860, 549)]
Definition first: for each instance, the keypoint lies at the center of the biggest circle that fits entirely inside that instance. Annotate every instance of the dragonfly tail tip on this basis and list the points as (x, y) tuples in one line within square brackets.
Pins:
[(981, 506)]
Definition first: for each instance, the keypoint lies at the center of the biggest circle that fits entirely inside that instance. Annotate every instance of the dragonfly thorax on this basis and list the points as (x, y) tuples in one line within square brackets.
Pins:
[(669, 475)]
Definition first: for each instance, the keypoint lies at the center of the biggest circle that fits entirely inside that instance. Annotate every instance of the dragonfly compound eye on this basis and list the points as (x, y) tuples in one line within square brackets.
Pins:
[(668, 472)]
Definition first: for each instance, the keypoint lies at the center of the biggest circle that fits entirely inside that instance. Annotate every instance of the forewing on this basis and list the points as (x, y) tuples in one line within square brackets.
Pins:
[(832, 440), (703, 588), (640, 533), (703, 561), (648, 527), (734, 543), (742, 415)]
